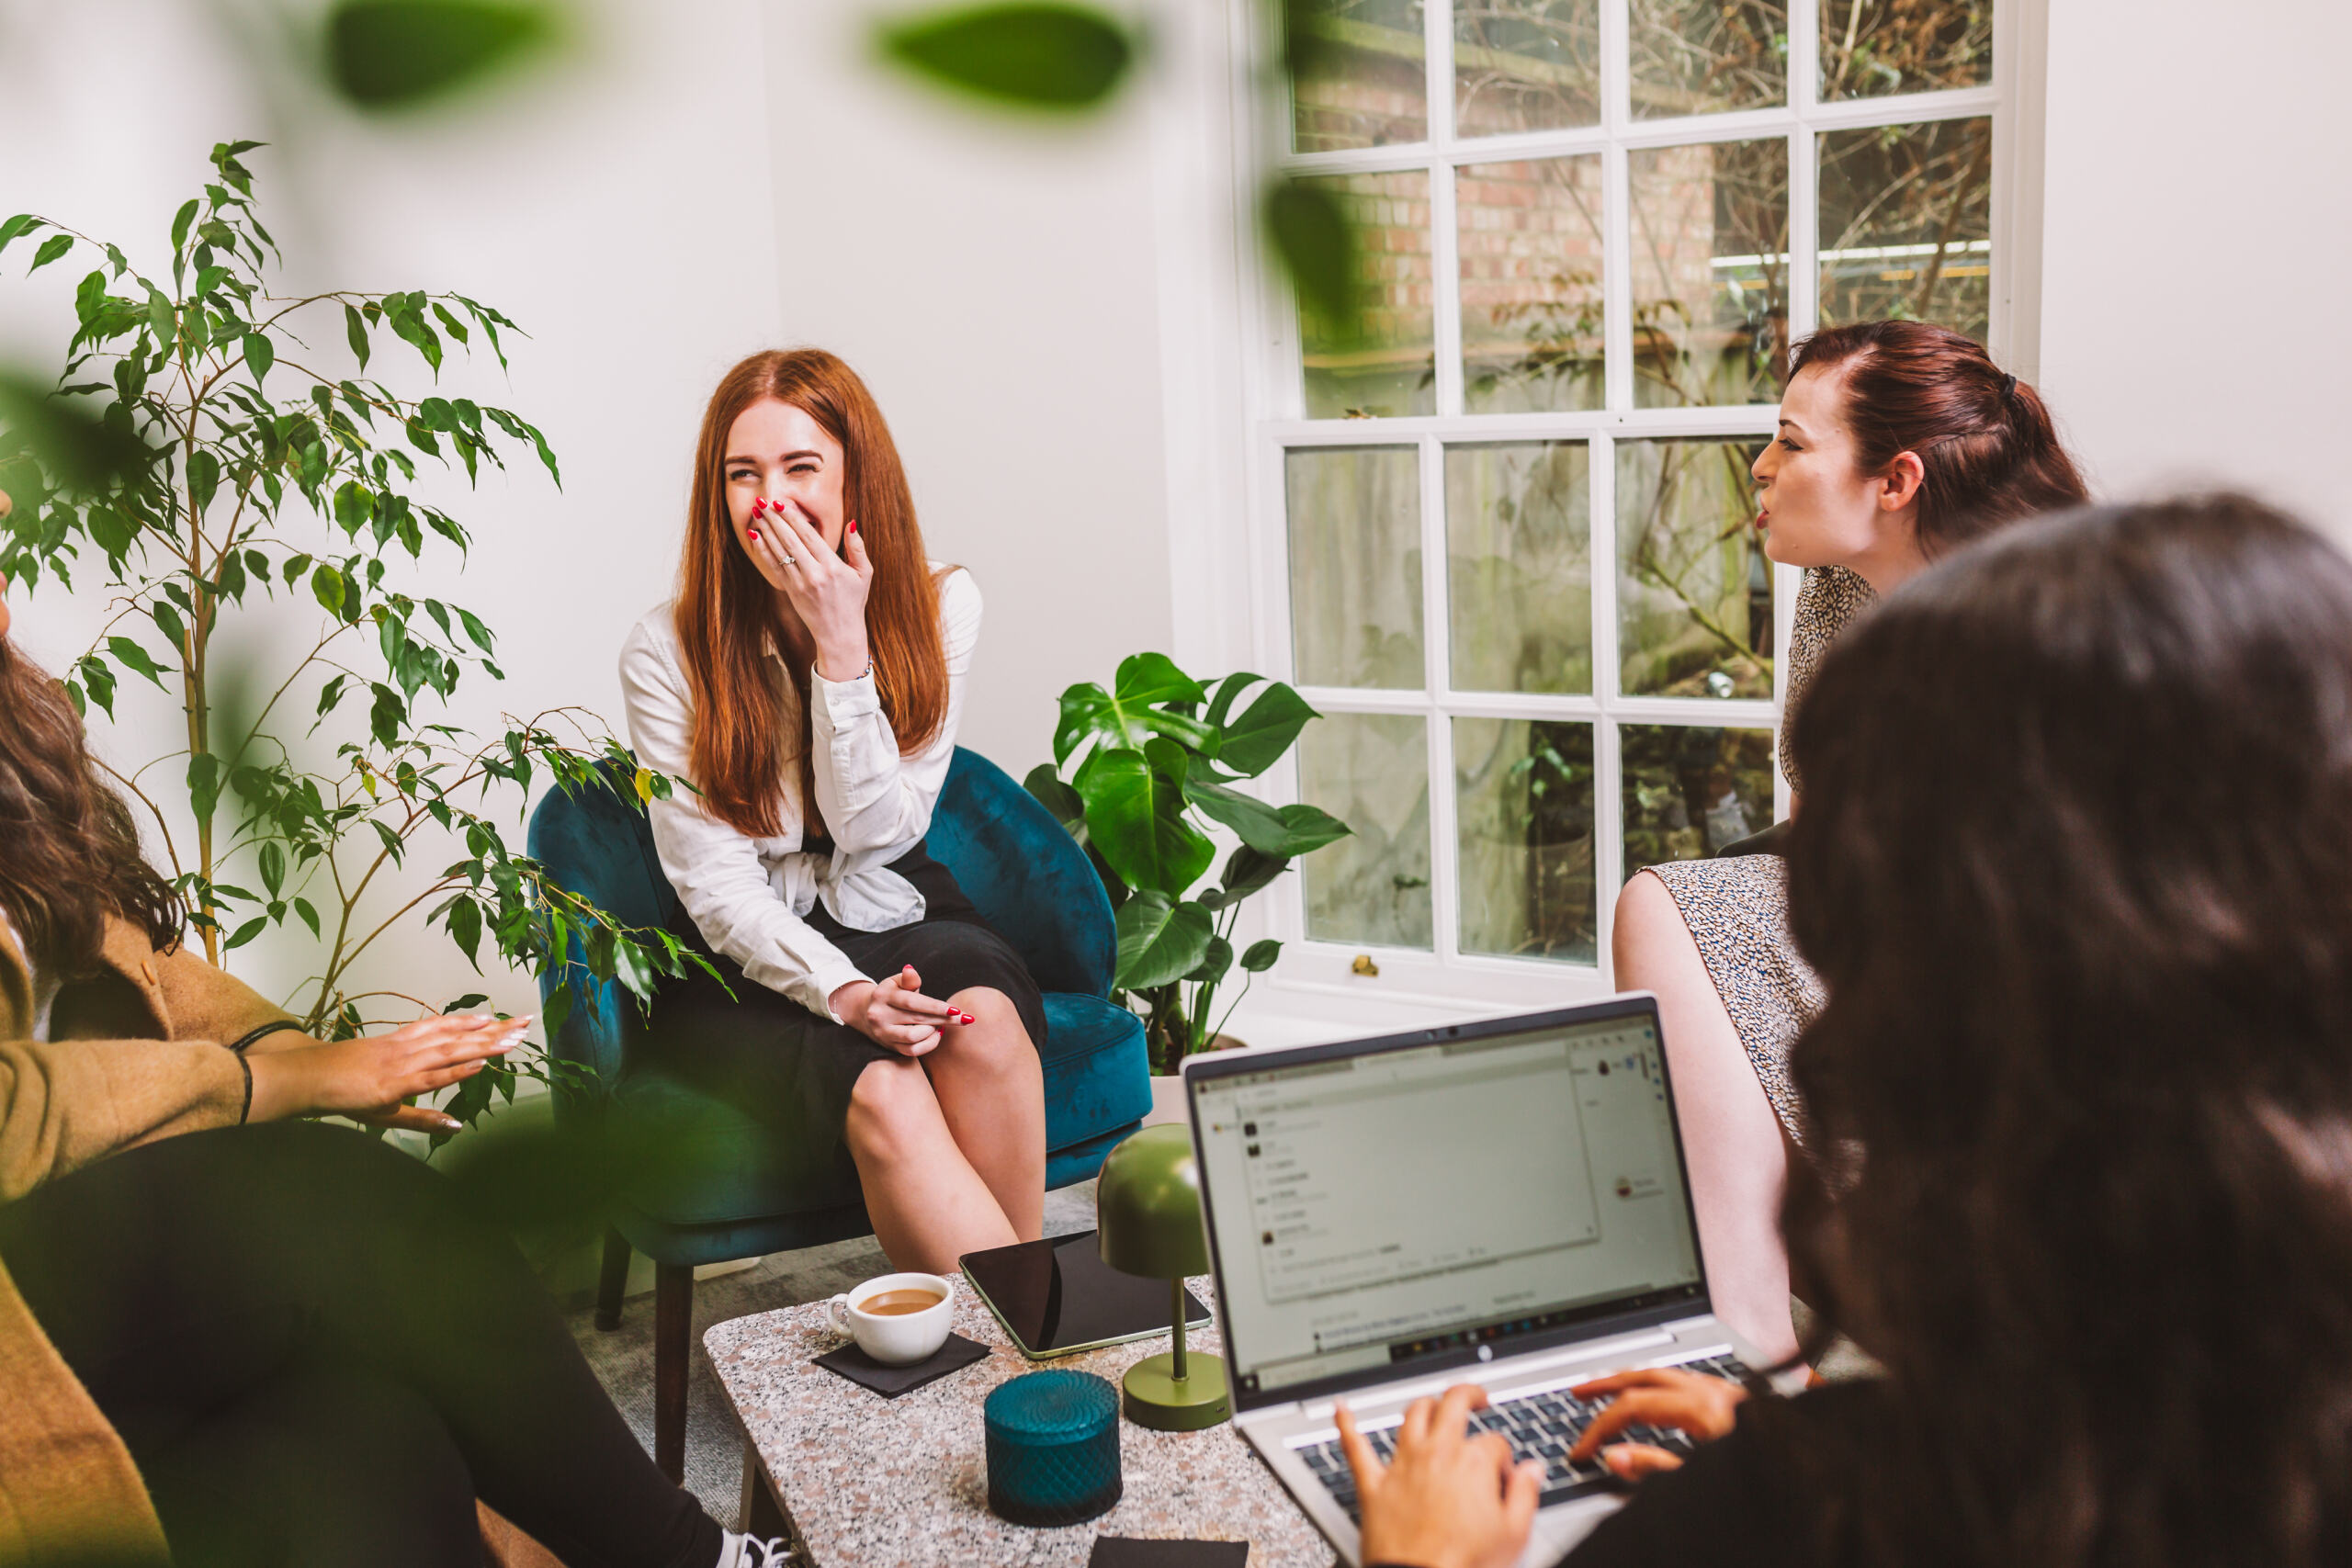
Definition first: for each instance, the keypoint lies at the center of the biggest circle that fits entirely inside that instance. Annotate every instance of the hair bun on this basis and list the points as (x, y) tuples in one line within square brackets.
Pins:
[(2009, 384)]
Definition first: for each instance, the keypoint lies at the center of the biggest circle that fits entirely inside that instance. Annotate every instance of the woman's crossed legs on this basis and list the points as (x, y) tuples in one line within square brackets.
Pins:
[(950, 1145)]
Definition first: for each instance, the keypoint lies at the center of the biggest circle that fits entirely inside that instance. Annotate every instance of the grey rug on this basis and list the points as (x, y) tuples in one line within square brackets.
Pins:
[(623, 1359)]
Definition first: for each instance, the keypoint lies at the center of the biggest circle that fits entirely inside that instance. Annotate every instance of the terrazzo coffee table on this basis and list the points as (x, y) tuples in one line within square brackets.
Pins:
[(865, 1482)]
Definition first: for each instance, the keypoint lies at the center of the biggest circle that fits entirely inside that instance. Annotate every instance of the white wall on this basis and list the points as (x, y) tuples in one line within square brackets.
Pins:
[(2198, 212), (994, 281), (692, 183)]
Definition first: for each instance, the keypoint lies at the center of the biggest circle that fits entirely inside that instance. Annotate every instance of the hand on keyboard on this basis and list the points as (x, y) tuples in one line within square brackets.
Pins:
[(1657, 1402), (1444, 1498)]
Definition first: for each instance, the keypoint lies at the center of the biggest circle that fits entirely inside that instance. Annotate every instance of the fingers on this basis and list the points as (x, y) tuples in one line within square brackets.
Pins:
[(903, 991), (853, 551), (1453, 1415), (1361, 1459), (1631, 1461), (1521, 1491), (769, 554), (1635, 1407), (410, 1118)]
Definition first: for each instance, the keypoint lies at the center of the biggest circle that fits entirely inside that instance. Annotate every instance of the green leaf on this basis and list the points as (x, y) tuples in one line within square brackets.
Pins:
[(167, 621), (87, 453), (1261, 955), (135, 659), (310, 916), (1214, 963), (259, 356), (355, 331), (1282, 831), (1054, 794), (1266, 728), (384, 54), (51, 249), (272, 867), (327, 587), (386, 715), (181, 224), (1135, 819), (203, 478), (1053, 57), (246, 933), (203, 784), (1245, 871), (1147, 677), (1317, 244), (22, 224), (1227, 690), (1159, 940), (465, 928)]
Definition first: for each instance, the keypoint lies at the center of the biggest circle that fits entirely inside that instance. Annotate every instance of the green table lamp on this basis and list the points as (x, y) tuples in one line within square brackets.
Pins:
[(1148, 1222)]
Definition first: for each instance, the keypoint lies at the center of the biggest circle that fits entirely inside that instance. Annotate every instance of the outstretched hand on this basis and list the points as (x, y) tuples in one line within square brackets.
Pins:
[(896, 1013), (1447, 1500), (826, 590), (368, 1078)]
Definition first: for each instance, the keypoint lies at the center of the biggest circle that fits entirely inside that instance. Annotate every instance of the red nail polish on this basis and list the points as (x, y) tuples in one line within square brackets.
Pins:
[(755, 536), (852, 524)]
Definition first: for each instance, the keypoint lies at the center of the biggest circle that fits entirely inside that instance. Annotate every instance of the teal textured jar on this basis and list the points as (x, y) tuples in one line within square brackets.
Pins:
[(1053, 1448)]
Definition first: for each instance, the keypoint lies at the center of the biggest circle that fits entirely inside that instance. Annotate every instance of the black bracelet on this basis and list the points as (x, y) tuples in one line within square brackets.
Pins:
[(250, 1035), (247, 1113)]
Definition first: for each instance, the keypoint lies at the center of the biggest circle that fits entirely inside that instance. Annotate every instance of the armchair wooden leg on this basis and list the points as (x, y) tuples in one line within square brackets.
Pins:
[(673, 1311), (611, 1281)]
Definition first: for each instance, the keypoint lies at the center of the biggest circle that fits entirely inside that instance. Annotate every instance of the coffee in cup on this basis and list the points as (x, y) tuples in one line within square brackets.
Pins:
[(897, 1319)]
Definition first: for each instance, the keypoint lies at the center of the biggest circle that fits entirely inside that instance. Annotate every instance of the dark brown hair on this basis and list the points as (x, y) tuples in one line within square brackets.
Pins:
[(2076, 868), (726, 611), (1986, 441), (69, 852)]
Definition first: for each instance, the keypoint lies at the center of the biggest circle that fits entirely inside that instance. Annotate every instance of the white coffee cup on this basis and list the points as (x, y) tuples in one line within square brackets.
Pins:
[(898, 1339)]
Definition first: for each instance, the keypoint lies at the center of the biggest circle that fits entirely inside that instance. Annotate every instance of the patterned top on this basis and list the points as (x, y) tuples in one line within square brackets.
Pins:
[(1832, 596)]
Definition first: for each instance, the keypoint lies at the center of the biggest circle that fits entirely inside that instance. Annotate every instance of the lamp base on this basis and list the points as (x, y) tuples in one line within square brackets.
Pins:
[(1157, 1399)]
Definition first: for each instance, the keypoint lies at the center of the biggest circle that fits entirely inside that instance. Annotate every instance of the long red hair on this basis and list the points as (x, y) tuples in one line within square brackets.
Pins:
[(726, 612)]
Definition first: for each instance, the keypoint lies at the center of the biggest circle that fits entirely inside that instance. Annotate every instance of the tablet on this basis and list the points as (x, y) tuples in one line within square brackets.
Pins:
[(1056, 1297)]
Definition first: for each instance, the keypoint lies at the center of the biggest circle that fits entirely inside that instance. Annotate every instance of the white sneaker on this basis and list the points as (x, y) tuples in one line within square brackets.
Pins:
[(743, 1551)]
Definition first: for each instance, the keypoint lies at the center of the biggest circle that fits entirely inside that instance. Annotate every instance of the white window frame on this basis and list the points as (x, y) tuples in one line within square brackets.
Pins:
[(1217, 546)]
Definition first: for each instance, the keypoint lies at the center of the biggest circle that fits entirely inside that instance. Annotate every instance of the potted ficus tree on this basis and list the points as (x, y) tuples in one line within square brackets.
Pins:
[(1138, 771), (200, 455)]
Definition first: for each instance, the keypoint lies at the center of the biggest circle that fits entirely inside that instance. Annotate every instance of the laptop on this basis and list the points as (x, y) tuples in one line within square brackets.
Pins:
[(1503, 1202)]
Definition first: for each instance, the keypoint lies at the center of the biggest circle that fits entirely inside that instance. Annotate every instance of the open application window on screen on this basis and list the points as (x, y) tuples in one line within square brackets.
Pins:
[(1374, 1209)]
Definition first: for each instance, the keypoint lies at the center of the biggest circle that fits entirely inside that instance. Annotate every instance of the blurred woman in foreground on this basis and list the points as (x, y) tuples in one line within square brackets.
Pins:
[(2076, 869)]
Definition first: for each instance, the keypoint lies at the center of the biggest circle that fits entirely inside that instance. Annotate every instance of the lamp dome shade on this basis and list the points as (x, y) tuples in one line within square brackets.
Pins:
[(1148, 1206)]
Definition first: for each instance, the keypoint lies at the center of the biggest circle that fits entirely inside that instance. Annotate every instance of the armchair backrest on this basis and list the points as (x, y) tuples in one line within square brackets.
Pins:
[(1027, 875), (1020, 867)]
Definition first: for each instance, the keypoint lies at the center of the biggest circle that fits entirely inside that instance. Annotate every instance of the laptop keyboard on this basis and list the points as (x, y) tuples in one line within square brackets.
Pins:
[(1544, 1424)]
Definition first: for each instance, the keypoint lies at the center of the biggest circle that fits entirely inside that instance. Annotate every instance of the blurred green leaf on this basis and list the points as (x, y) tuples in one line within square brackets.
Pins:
[(1311, 234), (1261, 955), (385, 55), (1159, 940), (82, 450), (1035, 56)]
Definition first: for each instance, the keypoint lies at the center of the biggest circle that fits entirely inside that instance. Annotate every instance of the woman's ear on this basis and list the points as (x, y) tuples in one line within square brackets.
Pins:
[(1899, 487)]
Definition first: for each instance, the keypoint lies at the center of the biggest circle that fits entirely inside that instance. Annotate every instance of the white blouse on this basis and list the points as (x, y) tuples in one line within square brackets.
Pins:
[(748, 896)]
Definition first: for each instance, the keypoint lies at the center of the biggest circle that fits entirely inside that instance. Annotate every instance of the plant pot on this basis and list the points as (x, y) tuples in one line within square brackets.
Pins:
[(1168, 1089)]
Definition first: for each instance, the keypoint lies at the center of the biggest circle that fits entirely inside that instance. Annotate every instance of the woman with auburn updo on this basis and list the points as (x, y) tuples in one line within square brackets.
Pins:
[(1898, 441), (806, 681)]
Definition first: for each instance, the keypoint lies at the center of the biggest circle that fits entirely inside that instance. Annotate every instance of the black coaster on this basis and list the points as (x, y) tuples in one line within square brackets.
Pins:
[(1120, 1552), (891, 1382)]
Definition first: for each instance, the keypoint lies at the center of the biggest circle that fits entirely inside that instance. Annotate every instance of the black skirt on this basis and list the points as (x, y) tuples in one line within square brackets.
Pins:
[(792, 1069)]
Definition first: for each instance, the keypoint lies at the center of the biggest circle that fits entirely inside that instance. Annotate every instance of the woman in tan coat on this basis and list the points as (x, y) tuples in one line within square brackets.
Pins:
[(284, 1344)]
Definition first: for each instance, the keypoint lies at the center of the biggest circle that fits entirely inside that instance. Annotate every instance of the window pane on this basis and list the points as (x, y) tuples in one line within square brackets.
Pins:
[(1358, 77), (1530, 236), (1355, 566), (1906, 224), (1872, 48), (1689, 791), (1525, 65), (1707, 56), (1694, 592), (1389, 368), (1710, 250), (1371, 771), (1525, 792), (1519, 565)]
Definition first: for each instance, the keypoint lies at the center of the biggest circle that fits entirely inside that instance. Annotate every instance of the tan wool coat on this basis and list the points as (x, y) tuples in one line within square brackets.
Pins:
[(136, 1054)]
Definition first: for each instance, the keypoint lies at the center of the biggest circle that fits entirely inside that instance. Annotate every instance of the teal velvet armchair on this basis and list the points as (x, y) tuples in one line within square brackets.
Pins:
[(730, 1187)]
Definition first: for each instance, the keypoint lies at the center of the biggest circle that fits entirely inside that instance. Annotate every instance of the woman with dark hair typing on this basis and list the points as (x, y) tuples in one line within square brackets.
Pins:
[(284, 1344), (2076, 870)]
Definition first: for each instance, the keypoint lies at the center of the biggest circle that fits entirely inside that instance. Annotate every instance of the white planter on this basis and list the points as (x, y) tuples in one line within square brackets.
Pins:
[(1167, 1101)]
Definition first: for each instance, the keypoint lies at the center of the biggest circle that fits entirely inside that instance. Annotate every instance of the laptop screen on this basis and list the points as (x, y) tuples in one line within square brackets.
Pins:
[(1371, 1209)]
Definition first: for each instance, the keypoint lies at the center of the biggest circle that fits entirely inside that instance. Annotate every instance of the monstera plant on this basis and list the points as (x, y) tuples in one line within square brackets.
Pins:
[(1138, 772)]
